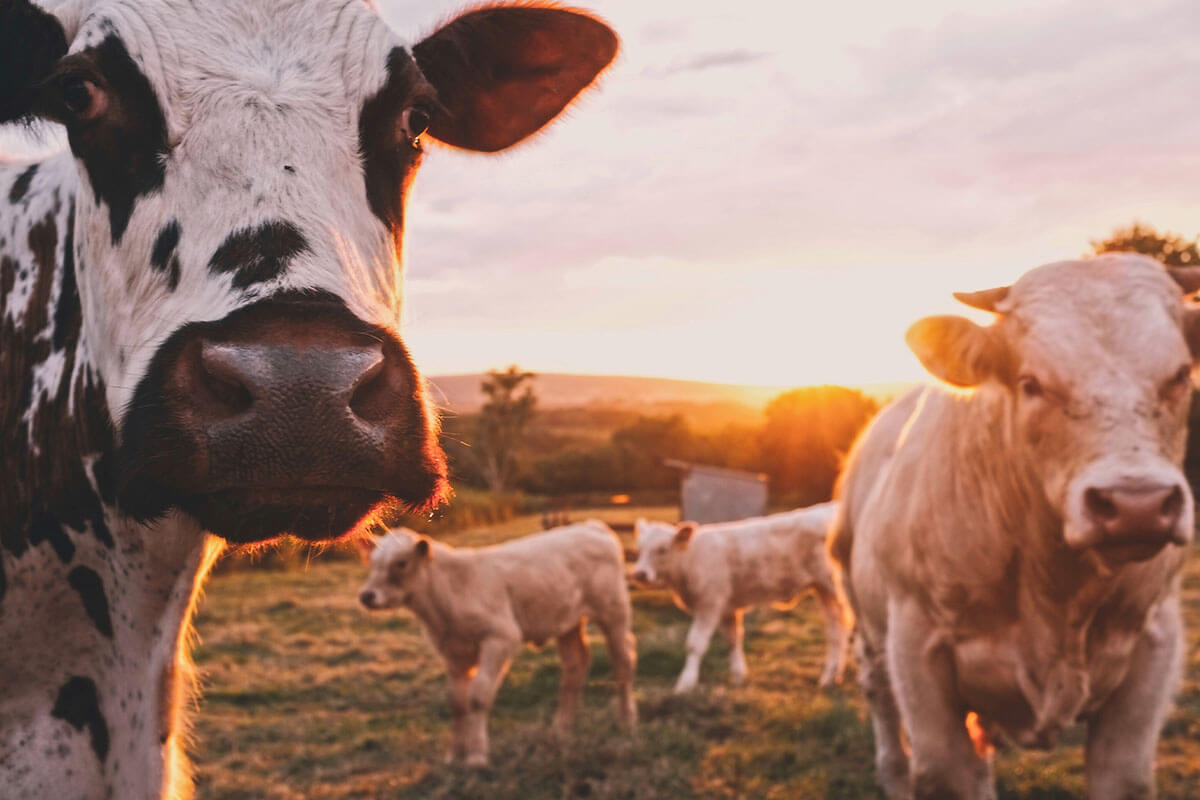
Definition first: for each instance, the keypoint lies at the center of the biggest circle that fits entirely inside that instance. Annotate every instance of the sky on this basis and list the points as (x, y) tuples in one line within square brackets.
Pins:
[(772, 192)]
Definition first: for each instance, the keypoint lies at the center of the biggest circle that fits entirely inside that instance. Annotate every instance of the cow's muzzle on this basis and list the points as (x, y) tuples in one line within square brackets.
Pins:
[(1135, 520), (291, 416)]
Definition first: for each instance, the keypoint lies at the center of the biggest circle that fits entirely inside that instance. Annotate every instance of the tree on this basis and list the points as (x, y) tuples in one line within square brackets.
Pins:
[(502, 423), (646, 442), (807, 434), (1169, 248)]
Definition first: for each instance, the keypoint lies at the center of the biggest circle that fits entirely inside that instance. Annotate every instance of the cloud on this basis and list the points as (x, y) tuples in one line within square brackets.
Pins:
[(712, 60)]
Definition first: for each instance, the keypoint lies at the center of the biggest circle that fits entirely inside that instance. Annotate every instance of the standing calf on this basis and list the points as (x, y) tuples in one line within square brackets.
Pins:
[(1014, 550), (478, 605), (718, 571)]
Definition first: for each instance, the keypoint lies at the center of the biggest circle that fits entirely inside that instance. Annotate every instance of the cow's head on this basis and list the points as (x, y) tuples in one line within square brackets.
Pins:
[(1092, 360), (242, 171), (660, 545), (397, 561)]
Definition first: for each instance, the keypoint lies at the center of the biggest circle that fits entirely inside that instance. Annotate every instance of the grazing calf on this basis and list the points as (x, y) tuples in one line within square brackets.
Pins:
[(1013, 551), (718, 571), (199, 316), (478, 605)]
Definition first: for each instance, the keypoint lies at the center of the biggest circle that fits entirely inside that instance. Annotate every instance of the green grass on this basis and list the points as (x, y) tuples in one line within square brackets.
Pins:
[(307, 697)]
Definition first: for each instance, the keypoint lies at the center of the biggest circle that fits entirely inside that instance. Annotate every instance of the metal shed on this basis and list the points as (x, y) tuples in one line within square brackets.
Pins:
[(716, 494)]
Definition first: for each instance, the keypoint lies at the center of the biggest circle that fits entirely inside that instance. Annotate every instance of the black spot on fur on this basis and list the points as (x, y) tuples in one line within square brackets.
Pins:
[(67, 316), (162, 256), (46, 528), (123, 150), (31, 42), (388, 165), (79, 706), (21, 184), (90, 588), (258, 254)]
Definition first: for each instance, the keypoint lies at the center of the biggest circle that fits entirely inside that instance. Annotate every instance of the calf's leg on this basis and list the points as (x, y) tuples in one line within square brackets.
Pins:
[(495, 654), (837, 635), (576, 657), (460, 685), (622, 652), (1123, 734), (735, 632), (704, 623)]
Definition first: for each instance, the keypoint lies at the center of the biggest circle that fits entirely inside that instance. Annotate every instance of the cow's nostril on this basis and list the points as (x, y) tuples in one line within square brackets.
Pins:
[(367, 598), (368, 400), (1172, 507), (378, 391), (222, 380), (1100, 504)]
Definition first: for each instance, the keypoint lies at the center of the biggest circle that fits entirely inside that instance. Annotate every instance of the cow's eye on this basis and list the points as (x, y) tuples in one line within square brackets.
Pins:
[(416, 121), (1030, 386), (81, 98), (401, 563), (1180, 380)]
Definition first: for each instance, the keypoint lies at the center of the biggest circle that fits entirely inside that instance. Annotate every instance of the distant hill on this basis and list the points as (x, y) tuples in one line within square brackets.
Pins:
[(461, 394)]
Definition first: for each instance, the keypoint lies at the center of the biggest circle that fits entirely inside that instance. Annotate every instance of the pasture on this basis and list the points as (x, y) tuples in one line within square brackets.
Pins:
[(307, 697)]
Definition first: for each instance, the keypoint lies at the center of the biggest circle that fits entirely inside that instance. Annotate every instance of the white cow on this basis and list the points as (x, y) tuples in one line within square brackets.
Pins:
[(718, 571), (1013, 551), (477, 605)]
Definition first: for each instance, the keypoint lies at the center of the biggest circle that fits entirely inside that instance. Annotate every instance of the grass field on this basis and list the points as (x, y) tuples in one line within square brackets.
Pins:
[(307, 697)]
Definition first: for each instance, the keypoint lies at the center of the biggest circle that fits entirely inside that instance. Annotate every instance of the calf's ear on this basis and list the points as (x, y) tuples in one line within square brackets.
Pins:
[(957, 350), (365, 545), (423, 548), (502, 72), (684, 532), (31, 43)]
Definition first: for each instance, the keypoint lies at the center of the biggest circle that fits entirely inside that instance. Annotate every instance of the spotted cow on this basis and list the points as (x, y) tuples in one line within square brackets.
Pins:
[(199, 310)]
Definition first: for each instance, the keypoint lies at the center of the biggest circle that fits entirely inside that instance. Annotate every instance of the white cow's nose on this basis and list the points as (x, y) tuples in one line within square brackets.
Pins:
[(367, 598), (1149, 512)]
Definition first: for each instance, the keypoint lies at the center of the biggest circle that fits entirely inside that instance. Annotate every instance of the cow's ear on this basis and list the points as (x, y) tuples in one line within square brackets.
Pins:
[(365, 545), (1191, 329), (31, 43), (502, 72), (684, 532), (423, 548), (957, 350)]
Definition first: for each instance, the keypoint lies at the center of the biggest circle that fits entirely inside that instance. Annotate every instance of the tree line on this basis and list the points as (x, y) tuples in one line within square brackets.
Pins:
[(512, 445)]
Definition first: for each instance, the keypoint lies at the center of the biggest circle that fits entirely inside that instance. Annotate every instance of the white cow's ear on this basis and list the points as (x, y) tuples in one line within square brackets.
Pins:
[(423, 548), (1191, 329), (957, 350), (1188, 278), (502, 72), (684, 532)]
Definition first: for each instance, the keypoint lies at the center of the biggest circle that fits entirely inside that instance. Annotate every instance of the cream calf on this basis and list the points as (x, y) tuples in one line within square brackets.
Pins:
[(478, 605), (718, 571)]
